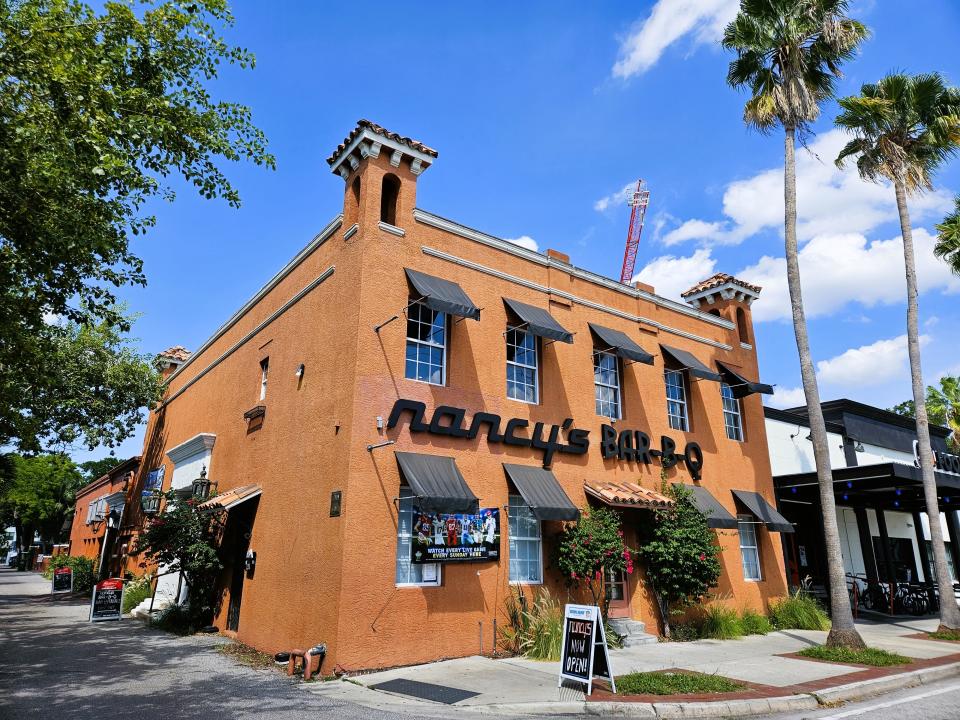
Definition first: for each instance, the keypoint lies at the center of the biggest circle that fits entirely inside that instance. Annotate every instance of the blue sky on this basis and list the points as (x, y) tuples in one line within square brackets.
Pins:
[(542, 113)]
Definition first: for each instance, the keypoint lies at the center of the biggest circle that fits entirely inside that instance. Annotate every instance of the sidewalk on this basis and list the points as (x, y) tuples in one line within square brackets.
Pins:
[(761, 662)]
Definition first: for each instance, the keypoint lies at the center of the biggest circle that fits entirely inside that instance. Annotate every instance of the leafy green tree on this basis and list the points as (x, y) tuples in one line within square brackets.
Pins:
[(680, 555), (101, 111), (948, 238), (589, 548), (789, 52), (905, 127), (943, 407), (96, 469)]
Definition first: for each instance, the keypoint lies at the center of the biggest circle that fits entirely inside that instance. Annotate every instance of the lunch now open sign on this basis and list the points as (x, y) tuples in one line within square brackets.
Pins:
[(584, 654)]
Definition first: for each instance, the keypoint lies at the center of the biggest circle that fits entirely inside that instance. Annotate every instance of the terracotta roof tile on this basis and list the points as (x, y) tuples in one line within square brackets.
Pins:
[(626, 494), (232, 497), (177, 352), (380, 130), (718, 280)]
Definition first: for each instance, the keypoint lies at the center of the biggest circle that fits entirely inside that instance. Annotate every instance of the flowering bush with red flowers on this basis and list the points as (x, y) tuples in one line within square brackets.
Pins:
[(590, 546), (680, 555)]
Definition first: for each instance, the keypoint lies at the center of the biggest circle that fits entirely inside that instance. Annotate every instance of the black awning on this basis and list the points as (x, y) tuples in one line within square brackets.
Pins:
[(542, 492), (717, 515), (764, 511), (437, 484), (621, 344), (538, 321), (740, 386), (690, 363), (442, 295)]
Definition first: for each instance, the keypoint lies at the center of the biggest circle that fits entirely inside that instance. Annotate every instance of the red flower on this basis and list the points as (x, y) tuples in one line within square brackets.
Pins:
[(598, 575), (619, 533), (573, 575), (629, 569), (703, 556)]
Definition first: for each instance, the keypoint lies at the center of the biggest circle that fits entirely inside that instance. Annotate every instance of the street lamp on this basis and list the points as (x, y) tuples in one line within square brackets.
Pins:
[(202, 486)]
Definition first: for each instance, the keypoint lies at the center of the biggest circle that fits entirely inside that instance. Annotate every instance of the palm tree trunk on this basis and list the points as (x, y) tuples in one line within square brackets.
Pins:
[(949, 611), (843, 632)]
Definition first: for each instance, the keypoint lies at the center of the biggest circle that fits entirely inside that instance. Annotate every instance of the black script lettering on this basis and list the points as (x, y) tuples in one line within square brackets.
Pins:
[(643, 447), (536, 439), (493, 426), (668, 448), (693, 457), (455, 428), (510, 438), (416, 410), (553, 444), (577, 442), (625, 449), (608, 441)]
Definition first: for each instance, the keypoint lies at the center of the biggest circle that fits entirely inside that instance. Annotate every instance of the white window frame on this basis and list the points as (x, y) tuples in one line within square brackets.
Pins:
[(749, 522), (91, 508), (516, 504), (732, 415), (418, 342), (405, 539), (597, 384), (526, 334), (264, 372), (677, 422)]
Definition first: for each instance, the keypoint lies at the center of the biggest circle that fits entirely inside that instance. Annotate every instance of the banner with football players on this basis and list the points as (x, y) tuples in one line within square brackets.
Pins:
[(438, 537)]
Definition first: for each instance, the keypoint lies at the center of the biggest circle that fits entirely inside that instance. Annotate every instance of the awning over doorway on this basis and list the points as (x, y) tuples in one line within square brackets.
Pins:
[(689, 363), (626, 494), (437, 483), (541, 491), (764, 511), (717, 515), (442, 295), (538, 321), (740, 386), (621, 344), (232, 498)]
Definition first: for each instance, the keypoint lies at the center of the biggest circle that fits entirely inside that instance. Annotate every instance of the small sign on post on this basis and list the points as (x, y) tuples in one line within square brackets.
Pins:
[(107, 602), (62, 580), (584, 655)]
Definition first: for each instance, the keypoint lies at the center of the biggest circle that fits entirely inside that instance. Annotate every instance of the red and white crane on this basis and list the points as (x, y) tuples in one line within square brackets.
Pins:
[(638, 209)]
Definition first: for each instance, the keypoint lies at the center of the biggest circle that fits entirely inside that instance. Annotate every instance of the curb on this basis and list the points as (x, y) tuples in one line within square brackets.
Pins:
[(878, 686)]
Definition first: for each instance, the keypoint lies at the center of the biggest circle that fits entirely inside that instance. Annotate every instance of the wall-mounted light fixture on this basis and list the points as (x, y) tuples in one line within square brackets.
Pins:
[(858, 447), (379, 422), (299, 373), (374, 446)]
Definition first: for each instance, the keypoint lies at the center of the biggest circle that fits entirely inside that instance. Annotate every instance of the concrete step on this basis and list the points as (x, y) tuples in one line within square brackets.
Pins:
[(142, 611), (634, 632)]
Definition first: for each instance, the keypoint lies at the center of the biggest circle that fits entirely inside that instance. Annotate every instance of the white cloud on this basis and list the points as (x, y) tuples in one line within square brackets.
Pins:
[(873, 364), (668, 22), (617, 198), (828, 201), (786, 398), (671, 275), (525, 241), (837, 270)]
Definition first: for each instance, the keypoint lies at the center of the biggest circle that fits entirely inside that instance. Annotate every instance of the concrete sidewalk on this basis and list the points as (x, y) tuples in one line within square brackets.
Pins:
[(519, 685)]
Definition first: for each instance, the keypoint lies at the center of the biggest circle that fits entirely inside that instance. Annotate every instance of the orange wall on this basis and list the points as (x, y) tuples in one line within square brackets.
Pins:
[(332, 579)]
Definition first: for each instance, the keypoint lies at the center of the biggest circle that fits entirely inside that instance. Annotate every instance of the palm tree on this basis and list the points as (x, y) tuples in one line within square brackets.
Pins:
[(948, 239), (904, 127), (788, 54)]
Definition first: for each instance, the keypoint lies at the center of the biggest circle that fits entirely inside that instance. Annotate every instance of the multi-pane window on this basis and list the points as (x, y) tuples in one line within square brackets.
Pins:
[(732, 420), (264, 369), (426, 345), (606, 384), (408, 526), (526, 562), (522, 366), (676, 400), (749, 552)]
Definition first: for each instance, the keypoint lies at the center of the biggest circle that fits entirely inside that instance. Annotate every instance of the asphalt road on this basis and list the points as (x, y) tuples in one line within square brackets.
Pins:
[(937, 701)]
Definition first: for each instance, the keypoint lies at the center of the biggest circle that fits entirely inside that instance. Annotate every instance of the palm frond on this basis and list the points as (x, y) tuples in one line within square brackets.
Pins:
[(948, 239)]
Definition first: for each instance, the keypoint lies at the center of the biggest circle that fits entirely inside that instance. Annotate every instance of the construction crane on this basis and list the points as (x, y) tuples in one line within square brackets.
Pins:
[(638, 210)]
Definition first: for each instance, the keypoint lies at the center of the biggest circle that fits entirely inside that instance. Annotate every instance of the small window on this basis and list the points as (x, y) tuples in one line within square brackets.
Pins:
[(732, 420), (409, 573), (749, 552), (742, 326), (426, 358), (676, 400), (389, 195), (526, 557), (606, 384), (522, 366), (264, 369)]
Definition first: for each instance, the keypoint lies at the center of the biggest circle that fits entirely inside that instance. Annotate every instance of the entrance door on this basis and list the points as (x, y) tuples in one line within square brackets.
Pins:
[(237, 543), (617, 598)]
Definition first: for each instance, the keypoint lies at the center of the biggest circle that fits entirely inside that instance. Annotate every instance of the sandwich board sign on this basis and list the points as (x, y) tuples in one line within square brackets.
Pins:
[(584, 655), (107, 600), (62, 580)]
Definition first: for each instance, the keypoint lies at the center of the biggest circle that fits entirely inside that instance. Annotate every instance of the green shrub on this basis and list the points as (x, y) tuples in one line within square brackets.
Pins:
[(136, 591), (951, 635), (176, 619), (754, 623), (83, 577), (685, 632), (721, 623), (674, 683), (869, 656), (798, 612), (544, 628)]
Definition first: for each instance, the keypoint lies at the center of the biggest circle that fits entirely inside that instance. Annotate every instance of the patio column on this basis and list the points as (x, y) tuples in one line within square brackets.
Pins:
[(885, 548), (866, 544), (924, 557), (954, 538)]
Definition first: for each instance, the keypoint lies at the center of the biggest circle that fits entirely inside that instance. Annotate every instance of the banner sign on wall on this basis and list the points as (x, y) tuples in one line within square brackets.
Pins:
[(438, 537), (584, 656), (62, 580), (107, 601)]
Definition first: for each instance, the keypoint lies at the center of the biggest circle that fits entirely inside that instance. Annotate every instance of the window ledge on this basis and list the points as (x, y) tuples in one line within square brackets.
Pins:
[(392, 229), (746, 346), (351, 231), (255, 412)]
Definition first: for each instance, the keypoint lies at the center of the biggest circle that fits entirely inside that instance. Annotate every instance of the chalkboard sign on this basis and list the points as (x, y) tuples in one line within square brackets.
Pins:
[(62, 580), (584, 647), (107, 600)]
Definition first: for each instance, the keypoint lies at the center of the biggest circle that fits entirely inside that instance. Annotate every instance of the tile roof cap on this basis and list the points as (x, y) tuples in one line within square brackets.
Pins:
[(719, 280), (363, 124), (178, 353)]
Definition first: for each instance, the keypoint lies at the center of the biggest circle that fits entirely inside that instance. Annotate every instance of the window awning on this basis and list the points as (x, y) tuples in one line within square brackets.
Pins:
[(621, 344), (740, 386), (626, 494), (538, 321), (764, 511), (232, 498), (442, 295), (542, 492), (717, 515), (437, 483), (690, 363)]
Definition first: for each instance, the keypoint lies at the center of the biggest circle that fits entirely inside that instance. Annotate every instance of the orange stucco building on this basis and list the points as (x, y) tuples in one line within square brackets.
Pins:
[(348, 389)]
